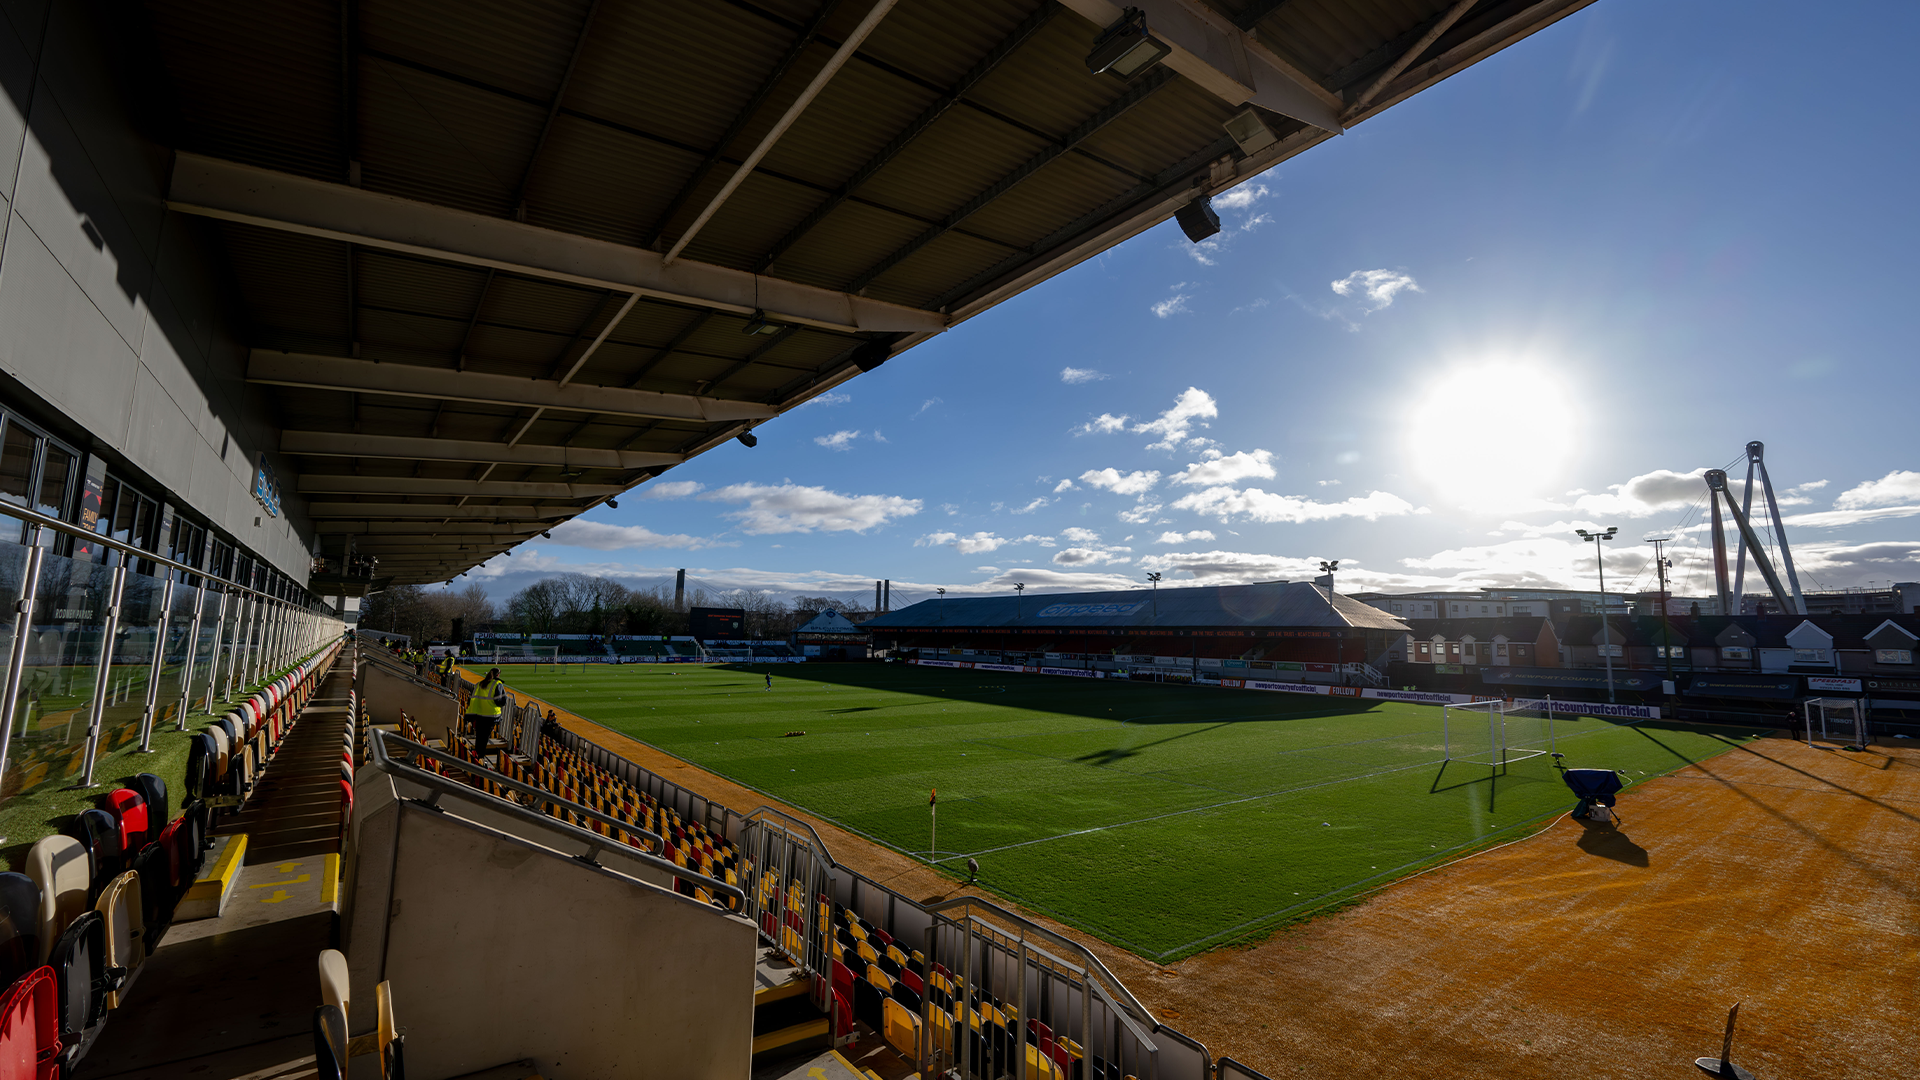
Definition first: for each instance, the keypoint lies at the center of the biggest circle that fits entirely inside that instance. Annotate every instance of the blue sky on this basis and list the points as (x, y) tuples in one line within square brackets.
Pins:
[(1539, 296)]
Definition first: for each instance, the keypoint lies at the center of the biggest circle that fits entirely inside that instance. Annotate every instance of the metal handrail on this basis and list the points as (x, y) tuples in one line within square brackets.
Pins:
[(596, 843), (819, 845), (35, 517), (1092, 963)]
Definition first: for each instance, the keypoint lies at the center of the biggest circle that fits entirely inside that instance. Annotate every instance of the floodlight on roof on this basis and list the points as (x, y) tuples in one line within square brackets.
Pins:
[(1249, 132), (1125, 48), (759, 324), (749, 440)]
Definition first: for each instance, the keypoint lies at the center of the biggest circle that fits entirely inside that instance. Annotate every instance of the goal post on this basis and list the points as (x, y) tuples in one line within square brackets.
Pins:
[(1836, 721), (536, 655), (1497, 733), (1471, 731)]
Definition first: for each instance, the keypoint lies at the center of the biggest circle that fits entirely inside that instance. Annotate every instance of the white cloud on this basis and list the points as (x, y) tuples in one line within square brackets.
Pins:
[(925, 405), (1032, 506), (1241, 197), (877, 437), (1231, 567), (788, 508), (826, 399), (979, 542), (1064, 485), (603, 537), (1649, 493), (1073, 376), (1378, 286), (1834, 519), (1175, 425), (1172, 305), (1227, 503), (839, 440), (670, 489), (1226, 468), (1080, 556), (1120, 483), (1898, 486), (1076, 535), (1141, 514), (1186, 537), (1103, 424), (1811, 485)]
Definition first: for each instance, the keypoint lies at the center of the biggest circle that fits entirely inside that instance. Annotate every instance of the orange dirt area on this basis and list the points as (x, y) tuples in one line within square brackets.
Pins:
[(1775, 875)]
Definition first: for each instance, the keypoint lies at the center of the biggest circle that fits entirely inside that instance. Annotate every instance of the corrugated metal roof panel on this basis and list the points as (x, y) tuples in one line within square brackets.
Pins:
[(1275, 604)]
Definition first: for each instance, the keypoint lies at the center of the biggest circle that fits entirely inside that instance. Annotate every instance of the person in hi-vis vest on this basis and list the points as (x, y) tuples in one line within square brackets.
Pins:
[(484, 708)]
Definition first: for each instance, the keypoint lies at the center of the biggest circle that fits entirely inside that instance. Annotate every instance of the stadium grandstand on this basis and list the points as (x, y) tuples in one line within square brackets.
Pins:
[(1174, 633), (304, 302)]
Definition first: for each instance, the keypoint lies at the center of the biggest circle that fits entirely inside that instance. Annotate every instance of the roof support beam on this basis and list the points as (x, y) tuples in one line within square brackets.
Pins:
[(413, 380), (1137, 93), (1413, 52), (1225, 60), (740, 119), (407, 448), (320, 484), (993, 59), (839, 59), (228, 191), (357, 511)]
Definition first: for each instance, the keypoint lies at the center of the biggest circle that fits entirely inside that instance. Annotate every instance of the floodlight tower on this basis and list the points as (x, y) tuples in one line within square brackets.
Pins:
[(1606, 628)]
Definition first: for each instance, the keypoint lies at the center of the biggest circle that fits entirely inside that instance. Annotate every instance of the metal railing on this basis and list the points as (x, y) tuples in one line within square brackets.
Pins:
[(278, 632)]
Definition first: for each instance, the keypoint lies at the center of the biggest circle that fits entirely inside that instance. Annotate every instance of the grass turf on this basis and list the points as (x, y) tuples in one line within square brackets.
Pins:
[(1165, 819)]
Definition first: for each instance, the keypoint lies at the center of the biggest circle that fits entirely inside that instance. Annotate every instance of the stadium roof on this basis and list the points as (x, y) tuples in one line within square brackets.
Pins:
[(1295, 604), (505, 259)]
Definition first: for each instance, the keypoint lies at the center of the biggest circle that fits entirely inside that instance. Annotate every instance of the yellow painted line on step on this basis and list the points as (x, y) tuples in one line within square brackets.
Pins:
[(330, 879), (228, 864), (301, 880)]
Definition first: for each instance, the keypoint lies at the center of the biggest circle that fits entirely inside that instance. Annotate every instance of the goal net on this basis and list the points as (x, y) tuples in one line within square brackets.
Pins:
[(1496, 733), (1836, 722), (537, 655)]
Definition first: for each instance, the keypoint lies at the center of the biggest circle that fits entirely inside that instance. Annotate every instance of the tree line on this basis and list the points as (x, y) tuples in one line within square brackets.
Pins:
[(586, 604)]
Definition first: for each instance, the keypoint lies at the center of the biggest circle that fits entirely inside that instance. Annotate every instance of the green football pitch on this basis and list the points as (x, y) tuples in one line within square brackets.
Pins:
[(1165, 819)]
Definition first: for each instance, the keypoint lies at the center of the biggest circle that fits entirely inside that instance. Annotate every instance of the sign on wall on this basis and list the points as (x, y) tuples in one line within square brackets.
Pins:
[(266, 487)]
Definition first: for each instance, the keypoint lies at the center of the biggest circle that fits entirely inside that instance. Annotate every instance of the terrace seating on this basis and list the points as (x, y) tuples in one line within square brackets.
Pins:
[(332, 1044), (79, 959), (125, 930), (62, 872), (19, 926)]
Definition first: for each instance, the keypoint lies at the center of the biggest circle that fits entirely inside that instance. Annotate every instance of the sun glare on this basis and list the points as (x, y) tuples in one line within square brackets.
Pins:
[(1486, 434)]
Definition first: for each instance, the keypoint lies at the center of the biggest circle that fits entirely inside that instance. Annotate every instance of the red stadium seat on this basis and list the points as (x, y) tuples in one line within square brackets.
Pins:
[(130, 810), (30, 1028)]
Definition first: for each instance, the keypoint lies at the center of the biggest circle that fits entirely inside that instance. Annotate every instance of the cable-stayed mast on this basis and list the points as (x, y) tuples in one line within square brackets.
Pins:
[(1787, 595)]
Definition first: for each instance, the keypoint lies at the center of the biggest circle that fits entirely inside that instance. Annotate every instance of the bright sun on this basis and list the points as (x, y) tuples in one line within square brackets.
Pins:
[(1484, 434)]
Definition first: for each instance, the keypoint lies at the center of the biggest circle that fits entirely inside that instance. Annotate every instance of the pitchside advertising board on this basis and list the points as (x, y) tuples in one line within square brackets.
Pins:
[(1417, 697)]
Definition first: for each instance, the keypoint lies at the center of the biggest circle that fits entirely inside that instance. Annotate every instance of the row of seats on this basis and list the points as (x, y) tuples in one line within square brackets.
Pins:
[(886, 986), (92, 906), (569, 777), (225, 760)]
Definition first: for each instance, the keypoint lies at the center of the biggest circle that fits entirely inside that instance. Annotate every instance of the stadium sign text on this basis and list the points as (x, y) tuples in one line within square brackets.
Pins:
[(1069, 611)]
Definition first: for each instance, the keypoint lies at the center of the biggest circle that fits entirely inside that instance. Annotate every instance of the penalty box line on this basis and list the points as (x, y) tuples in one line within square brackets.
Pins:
[(1191, 810)]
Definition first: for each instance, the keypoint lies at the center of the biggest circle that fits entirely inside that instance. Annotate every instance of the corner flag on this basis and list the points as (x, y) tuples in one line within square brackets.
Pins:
[(933, 796)]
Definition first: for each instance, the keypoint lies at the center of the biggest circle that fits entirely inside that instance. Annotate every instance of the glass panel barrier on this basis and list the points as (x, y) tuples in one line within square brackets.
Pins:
[(132, 661), (173, 671), (58, 673)]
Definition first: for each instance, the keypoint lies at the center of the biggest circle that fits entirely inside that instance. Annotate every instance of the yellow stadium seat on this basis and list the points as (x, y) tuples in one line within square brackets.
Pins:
[(880, 980), (900, 1028), (898, 957), (866, 951), (1040, 1066)]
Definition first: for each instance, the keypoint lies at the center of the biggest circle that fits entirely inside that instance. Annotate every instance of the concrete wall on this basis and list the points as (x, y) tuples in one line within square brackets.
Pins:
[(386, 695), (500, 949), (118, 322)]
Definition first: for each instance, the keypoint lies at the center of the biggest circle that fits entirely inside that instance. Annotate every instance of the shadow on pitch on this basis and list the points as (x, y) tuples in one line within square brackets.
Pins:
[(1602, 839)]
